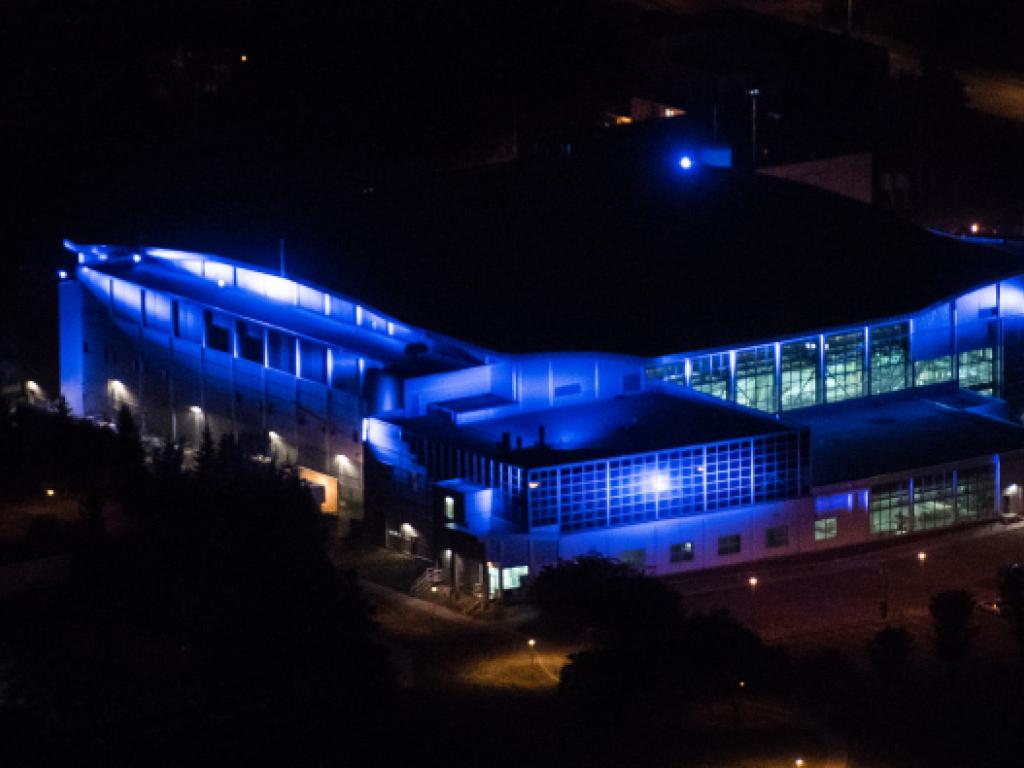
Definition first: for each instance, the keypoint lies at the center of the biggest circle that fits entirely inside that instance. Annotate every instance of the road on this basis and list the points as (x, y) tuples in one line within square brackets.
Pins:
[(836, 602)]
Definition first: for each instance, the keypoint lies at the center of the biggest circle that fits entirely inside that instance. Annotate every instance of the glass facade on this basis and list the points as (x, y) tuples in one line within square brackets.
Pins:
[(976, 371), (666, 484), (799, 374), (889, 509), (844, 366), (755, 378), (975, 493), (710, 375), (933, 501), (934, 371), (890, 357), (936, 345)]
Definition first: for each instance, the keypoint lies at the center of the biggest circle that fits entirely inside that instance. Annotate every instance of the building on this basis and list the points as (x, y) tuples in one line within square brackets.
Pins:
[(897, 413)]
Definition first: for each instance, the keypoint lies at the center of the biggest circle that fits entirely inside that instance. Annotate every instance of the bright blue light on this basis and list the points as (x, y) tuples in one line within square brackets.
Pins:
[(62, 274), (686, 162), (136, 258)]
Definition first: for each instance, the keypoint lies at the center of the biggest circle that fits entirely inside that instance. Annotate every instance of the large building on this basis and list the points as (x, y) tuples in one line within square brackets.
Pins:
[(897, 412)]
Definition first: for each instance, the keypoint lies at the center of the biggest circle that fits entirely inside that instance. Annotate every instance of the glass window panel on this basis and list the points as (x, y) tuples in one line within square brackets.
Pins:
[(934, 371), (976, 371), (844, 366), (975, 493), (799, 374), (933, 501), (826, 528), (889, 509), (889, 357), (710, 375), (755, 378)]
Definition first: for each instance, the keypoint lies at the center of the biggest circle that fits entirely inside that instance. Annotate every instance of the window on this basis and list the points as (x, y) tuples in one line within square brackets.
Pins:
[(844, 366), (933, 371), (635, 558), (755, 378), (281, 351), (799, 374), (826, 528), (681, 553), (512, 578), (976, 370), (250, 341), (933, 501), (218, 331), (710, 375), (449, 508), (889, 356), (889, 509), (777, 536), (729, 545), (975, 493), (312, 361)]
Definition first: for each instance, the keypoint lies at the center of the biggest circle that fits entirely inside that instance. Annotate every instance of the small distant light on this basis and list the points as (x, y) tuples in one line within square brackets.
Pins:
[(686, 162), (532, 643), (743, 683), (975, 228), (103, 257), (273, 435), (534, 484), (220, 283), (433, 588), (798, 762), (50, 492), (81, 258), (922, 556), (136, 258), (752, 581), (243, 58), (62, 274), (196, 410)]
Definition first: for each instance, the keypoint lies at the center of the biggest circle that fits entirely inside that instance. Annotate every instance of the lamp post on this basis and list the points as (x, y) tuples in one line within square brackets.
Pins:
[(754, 93)]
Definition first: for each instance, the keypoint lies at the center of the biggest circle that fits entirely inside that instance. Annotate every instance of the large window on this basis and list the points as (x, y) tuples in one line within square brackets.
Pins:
[(934, 371), (844, 366), (755, 378), (889, 511), (889, 358), (672, 373), (664, 485), (710, 375), (218, 331), (933, 501), (799, 372), (281, 351), (977, 371), (975, 493)]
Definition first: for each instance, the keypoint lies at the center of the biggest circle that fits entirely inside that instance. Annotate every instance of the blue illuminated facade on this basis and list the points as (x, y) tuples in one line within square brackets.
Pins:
[(498, 464)]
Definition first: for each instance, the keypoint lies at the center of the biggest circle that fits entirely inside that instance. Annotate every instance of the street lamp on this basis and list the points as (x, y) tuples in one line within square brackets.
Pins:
[(754, 93), (922, 556), (753, 582)]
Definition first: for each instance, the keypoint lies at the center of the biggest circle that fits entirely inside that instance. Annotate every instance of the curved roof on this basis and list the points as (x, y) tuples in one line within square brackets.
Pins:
[(639, 257)]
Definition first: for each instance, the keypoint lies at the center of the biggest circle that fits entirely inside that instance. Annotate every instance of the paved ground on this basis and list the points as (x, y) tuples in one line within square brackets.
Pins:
[(836, 602)]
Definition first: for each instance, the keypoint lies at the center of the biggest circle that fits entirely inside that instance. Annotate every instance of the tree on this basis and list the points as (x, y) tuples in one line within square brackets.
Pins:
[(890, 650), (1011, 598), (951, 618)]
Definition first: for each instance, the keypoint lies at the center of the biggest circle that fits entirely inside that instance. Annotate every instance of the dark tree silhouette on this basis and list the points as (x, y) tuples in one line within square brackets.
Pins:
[(951, 618), (1011, 599), (890, 650)]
